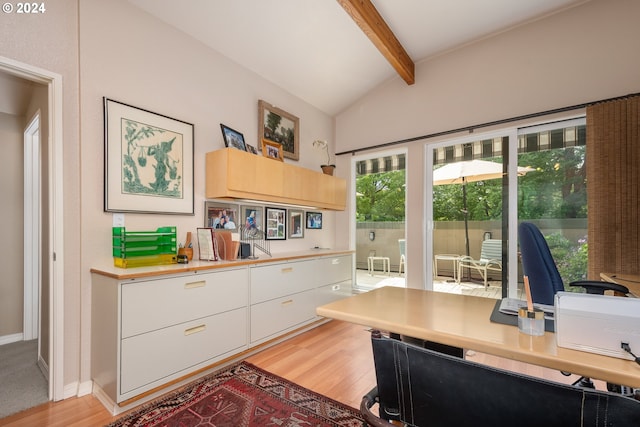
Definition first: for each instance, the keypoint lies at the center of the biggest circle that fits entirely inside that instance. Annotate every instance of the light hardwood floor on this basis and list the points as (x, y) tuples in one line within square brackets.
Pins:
[(333, 359)]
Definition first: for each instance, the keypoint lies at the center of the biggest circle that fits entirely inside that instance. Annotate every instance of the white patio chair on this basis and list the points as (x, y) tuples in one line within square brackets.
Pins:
[(490, 260)]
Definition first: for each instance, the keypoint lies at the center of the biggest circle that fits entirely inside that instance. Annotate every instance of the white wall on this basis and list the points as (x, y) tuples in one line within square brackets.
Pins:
[(584, 54), (129, 56)]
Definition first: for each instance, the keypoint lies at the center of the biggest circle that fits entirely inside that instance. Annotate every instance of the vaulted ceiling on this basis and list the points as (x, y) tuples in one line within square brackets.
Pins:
[(314, 49)]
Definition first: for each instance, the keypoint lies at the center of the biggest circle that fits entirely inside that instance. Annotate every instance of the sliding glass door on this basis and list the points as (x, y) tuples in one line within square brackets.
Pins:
[(478, 189)]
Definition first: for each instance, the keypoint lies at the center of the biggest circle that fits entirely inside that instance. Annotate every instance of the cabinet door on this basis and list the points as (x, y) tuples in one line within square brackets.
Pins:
[(280, 315), (156, 357), (155, 304)]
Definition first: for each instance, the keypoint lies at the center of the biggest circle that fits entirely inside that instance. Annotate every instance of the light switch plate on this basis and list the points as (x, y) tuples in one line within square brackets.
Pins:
[(118, 220)]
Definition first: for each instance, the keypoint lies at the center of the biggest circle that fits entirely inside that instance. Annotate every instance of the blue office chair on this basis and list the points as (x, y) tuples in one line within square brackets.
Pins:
[(539, 266)]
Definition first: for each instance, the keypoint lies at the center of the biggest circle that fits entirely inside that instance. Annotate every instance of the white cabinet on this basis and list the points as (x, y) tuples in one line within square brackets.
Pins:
[(152, 329), (149, 331), (284, 296)]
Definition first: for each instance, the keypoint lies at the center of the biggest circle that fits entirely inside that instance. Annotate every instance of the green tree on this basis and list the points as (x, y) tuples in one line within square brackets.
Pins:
[(380, 196), (556, 189)]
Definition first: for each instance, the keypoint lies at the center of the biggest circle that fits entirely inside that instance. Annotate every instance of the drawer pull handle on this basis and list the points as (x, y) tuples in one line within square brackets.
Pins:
[(287, 302), (195, 330), (287, 270), (335, 261), (335, 288), (194, 285)]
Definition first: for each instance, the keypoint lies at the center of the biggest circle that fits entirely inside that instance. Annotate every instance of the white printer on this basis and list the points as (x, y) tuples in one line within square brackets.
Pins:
[(598, 323)]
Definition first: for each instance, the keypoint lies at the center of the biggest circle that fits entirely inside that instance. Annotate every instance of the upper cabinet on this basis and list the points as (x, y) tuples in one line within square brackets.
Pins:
[(235, 174)]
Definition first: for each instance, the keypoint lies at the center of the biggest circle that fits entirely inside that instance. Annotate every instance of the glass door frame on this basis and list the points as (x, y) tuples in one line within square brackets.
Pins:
[(352, 196), (512, 194)]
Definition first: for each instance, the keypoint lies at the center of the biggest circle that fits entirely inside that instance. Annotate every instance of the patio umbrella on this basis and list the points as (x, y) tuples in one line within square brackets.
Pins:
[(470, 171)]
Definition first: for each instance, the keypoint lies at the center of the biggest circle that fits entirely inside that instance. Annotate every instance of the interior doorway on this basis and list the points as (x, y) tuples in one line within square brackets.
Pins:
[(50, 314)]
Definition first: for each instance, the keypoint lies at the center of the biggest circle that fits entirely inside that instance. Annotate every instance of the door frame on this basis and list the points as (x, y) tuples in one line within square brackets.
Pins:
[(53, 81), (32, 230)]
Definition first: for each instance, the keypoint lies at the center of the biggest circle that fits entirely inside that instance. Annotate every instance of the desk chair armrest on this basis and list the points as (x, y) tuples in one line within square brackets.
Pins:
[(596, 287), (368, 400)]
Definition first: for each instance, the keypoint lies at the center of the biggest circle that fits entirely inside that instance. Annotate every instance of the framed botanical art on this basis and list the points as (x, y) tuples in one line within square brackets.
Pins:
[(279, 126), (233, 138), (221, 215), (314, 220), (276, 223), (271, 149), (296, 224), (251, 217), (148, 162)]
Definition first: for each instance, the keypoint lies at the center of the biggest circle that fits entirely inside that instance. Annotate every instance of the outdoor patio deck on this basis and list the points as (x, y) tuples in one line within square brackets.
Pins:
[(367, 282)]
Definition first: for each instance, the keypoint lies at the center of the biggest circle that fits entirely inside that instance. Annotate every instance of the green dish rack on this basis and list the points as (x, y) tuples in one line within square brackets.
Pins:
[(144, 248)]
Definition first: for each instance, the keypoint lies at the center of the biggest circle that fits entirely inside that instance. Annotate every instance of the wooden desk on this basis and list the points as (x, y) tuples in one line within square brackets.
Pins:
[(463, 321), (631, 281)]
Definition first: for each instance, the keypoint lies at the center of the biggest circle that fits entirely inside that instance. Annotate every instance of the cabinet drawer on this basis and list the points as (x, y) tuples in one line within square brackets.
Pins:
[(275, 316), (155, 304), (335, 269), (333, 292), (156, 357), (275, 281)]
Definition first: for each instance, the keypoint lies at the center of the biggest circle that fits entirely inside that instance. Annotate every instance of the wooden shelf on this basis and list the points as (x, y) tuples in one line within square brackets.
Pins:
[(235, 174)]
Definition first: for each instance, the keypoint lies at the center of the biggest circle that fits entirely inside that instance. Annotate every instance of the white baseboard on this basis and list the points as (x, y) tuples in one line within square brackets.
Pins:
[(85, 388), (44, 368), (106, 401), (70, 390), (8, 339)]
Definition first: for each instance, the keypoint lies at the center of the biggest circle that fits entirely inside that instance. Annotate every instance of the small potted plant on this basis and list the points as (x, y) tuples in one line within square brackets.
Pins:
[(328, 167)]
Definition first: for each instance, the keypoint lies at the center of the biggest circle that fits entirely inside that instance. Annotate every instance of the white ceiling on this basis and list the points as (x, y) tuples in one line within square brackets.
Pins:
[(314, 50)]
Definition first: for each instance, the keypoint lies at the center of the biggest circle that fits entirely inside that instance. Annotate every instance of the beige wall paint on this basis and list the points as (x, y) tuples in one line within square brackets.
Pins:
[(11, 212), (584, 54), (130, 56)]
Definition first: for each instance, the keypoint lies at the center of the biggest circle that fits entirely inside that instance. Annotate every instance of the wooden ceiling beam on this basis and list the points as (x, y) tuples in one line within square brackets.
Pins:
[(365, 14)]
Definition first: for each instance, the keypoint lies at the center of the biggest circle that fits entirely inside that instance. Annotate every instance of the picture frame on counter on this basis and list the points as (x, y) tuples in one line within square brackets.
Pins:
[(275, 223), (276, 125), (148, 161), (296, 224)]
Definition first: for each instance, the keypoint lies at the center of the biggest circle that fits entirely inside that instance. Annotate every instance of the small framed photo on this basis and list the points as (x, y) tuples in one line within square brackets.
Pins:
[(276, 224), (251, 149), (271, 149), (221, 215), (296, 224), (314, 220), (252, 218), (233, 138)]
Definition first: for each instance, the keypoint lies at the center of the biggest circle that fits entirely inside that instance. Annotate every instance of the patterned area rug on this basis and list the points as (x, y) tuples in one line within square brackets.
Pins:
[(243, 396)]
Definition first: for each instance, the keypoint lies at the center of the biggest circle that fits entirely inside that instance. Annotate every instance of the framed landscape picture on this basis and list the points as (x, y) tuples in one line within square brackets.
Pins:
[(233, 138), (281, 127), (148, 161), (276, 223)]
